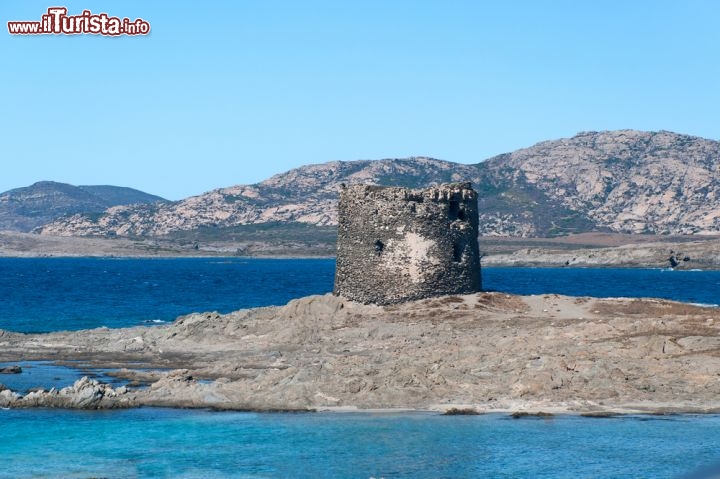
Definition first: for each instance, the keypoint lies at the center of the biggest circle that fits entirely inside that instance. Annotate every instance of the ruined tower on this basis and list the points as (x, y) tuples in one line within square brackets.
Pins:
[(398, 244)]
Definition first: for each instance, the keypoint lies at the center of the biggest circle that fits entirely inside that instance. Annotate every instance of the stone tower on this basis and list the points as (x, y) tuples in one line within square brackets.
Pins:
[(397, 244)]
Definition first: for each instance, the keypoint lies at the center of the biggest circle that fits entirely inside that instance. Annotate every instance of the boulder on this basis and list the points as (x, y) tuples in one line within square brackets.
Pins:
[(11, 370)]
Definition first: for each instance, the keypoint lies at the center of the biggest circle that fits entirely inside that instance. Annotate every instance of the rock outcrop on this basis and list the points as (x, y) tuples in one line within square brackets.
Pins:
[(485, 351), (84, 394), (11, 370)]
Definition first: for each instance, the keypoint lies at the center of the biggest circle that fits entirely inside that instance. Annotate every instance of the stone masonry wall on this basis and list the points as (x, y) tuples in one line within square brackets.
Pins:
[(398, 244)]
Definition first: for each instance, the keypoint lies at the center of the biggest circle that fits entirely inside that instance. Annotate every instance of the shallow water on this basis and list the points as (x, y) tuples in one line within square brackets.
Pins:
[(201, 444), (46, 375)]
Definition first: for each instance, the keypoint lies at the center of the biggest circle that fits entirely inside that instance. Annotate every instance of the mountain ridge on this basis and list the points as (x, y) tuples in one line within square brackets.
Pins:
[(625, 181), (25, 208)]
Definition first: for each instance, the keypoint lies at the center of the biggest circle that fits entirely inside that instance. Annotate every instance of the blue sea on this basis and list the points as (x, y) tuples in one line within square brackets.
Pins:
[(52, 294)]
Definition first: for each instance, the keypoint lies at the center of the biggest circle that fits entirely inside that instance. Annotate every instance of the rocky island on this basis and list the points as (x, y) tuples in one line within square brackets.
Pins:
[(482, 351), (448, 348)]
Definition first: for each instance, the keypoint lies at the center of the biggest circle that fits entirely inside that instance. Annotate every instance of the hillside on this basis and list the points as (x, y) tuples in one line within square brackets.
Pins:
[(617, 181), (23, 209), (625, 181), (120, 195)]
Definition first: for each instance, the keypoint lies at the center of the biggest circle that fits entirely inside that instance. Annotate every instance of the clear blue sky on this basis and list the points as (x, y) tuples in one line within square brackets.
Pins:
[(224, 93)]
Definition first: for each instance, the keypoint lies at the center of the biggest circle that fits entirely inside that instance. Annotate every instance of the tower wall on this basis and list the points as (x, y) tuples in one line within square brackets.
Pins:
[(398, 244)]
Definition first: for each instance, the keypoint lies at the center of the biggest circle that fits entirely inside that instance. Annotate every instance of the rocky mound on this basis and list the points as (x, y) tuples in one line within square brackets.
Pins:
[(487, 351)]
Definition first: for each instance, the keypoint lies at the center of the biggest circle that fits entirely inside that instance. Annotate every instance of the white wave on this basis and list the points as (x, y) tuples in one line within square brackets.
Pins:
[(705, 305)]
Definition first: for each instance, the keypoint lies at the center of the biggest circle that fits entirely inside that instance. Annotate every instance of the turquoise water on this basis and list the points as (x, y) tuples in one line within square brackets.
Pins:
[(203, 444)]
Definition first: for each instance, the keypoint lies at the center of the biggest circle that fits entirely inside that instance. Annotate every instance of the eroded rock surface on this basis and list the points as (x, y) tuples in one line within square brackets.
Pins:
[(485, 351)]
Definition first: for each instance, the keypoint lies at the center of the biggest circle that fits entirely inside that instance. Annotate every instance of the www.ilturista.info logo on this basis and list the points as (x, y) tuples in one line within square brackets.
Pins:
[(57, 21)]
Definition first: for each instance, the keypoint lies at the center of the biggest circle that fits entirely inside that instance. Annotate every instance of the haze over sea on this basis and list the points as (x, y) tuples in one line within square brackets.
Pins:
[(48, 294)]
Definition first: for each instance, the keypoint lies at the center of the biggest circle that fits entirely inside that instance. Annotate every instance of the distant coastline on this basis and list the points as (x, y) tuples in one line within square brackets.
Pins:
[(584, 250)]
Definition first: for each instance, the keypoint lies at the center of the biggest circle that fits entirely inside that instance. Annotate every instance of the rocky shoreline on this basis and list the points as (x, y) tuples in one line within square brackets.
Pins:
[(701, 255), (485, 352)]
